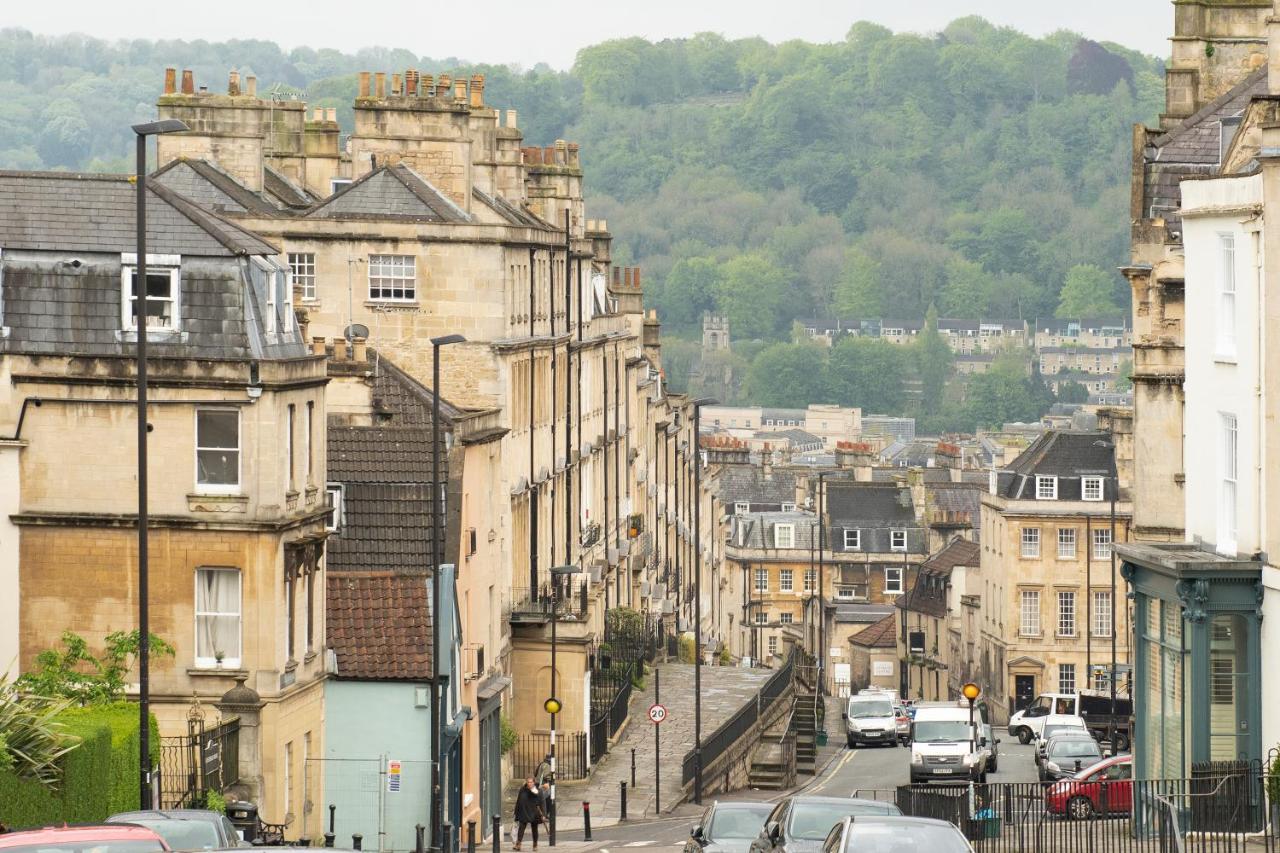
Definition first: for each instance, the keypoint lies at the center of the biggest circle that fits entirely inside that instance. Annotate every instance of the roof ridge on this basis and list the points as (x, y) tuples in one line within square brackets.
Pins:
[(1210, 108)]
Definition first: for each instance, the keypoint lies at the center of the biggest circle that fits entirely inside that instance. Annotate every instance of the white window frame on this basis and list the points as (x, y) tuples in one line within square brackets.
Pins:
[(788, 507), (1091, 488), (1101, 543), (784, 536), (786, 580), (1046, 488), (218, 488), (156, 265), (845, 592), (333, 498), (810, 580), (1067, 541), (302, 270), (1029, 613), (1066, 613), (762, 580), (338, 184), (1065, 684), (1101, 621), (386, 265), (1030, 540), (1227, 295), (212, 662), (786, 618), (897, 540), (853, 540), (893, 580), (741, 507), (773, 644), (1228, 482), (761, 617)]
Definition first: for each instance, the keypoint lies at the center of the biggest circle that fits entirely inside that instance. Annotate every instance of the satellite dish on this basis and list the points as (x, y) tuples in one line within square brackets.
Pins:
[(357, 330)]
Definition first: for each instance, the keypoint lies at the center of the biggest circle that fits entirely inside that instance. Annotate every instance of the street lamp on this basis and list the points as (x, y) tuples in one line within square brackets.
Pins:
[(437, 545), (1115, 487), (971, 692), (140, 312), (552, 705), (697, 596)]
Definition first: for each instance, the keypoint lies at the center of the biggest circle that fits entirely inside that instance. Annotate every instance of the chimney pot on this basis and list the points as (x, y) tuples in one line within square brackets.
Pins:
[(331, 114), (635, 278), (251, 86), (427, 83), (511, 119), (339, 349), (477, 91), (358, 349), (188, 82), (442, 89), (317, 346), (233, 83), (460, 90), (380, 84), (170, 80), (573, 153), (364, 84), (411, 83), (395, 84), (617, 275), (604, 225)]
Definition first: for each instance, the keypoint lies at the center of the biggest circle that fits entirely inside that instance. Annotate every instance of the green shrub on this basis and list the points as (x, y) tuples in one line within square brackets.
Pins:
[(509, 734), (99, 776), (686, 648)]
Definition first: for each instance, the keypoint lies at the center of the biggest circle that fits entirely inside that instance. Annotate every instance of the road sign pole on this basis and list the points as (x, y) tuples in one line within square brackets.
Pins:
[(657, 751)]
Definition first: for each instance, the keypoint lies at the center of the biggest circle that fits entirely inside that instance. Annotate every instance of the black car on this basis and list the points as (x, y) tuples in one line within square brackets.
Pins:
[(728, 828), (799, 824), (887, 834), (1066, 756), (186, 829)]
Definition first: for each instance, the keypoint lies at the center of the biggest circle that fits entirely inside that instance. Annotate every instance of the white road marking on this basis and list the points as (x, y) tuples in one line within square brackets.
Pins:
[(643, 844)]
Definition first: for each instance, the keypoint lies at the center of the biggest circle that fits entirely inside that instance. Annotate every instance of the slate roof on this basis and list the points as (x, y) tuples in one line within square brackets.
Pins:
[(797, 437), (963, 497), (285, 191), (379, 625), (869, 502), (749, 484), (928, 595), (393, 454), (853, 613), (70, 212), (1192, 148), (512, 213), (957, 552), (390, 192), (881, 635), (1066, 454), (208, 185), (756, 529)]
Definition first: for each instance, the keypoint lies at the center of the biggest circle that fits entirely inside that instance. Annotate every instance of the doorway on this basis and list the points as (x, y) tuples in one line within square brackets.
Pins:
[(1024, 691)]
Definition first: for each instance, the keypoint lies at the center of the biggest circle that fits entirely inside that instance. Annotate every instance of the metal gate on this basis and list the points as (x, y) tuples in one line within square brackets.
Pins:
[(198, 762), (380, 799)]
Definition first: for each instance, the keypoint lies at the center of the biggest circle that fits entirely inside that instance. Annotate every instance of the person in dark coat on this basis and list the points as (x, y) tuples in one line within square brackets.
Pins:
[(528, 812)]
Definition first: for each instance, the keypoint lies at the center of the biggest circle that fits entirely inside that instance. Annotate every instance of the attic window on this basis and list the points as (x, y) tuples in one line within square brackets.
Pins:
[(784, 536), (333, 499), (162, 291), (1046, 488), (741, 507), (898, 540)]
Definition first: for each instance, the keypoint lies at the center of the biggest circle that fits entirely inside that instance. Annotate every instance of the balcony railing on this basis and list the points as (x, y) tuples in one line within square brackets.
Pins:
[(566, 598)]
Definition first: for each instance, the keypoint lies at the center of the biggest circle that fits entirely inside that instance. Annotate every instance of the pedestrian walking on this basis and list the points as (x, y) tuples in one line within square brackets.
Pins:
[(528, 812)]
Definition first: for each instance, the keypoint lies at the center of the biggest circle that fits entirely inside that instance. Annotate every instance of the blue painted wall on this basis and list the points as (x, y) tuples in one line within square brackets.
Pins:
[(366, 721)]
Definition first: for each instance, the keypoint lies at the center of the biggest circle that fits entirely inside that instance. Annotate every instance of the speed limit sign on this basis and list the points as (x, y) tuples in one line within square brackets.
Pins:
[(657, 713)]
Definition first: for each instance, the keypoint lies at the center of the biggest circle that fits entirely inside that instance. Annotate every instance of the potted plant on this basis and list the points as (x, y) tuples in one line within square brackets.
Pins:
[(218, 657)]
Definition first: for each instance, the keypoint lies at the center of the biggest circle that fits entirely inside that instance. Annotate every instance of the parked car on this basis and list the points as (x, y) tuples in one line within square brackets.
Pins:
[(107, 838), (1103, 788), (992, 748), (1067, 755), (221, 830), (1055, 725), (799, 824), (870, 718), (728, 827), (1092, 706), (944, 745), (895, 835), (902, 721)]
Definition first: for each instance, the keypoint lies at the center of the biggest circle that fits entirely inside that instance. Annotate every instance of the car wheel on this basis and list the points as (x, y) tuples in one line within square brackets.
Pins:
[(1122, 742), (849, 740), (994, 766), (1080, 808), (1024, 735)]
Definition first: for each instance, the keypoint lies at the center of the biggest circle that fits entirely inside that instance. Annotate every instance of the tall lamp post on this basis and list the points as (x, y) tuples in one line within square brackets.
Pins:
[(971, 692), (142, 131), (697, 597), (437, 545), (1115, 488), (552, 704)]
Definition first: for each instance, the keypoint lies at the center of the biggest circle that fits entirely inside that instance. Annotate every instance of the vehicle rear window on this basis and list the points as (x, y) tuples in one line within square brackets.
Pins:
[(1072, 748), (122, 846), (183, 834), (813, 821), (735, 823), (860, 708), (905, 838)]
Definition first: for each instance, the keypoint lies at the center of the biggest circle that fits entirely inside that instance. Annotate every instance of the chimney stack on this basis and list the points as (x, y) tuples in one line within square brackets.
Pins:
[(170, 80), (251, 86), (511, 119), (331, 114), (460, 91), (442, 88), (573, 154), (411, 83), (364, 84), (233, 83), (395, 84), (427, 83), (380, 84), (477, 91), (188, 82)]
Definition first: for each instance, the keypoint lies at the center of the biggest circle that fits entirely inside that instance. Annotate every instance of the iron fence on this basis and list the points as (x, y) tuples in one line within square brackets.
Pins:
[(1222, 808), (741, 722), (567, 598), (531, 756), (198, 762)]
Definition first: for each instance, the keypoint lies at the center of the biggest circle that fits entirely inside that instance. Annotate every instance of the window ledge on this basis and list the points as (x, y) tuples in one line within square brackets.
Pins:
[(392, 304), (216, 672), (162, 336), (217, 503), (309, 656), (1225, 358)]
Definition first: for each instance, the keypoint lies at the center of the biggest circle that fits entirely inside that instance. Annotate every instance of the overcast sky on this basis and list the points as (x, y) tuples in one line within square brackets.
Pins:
[(526, 32)]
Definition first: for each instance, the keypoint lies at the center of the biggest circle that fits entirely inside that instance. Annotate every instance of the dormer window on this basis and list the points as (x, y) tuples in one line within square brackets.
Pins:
[(852, 540), (162, 291), (1091, 488), (898, 540), (788, 507), (1046, 488), (741, 507)]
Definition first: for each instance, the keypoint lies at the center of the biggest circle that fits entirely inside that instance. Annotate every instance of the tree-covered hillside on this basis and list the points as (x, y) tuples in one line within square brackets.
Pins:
[(976, 169)]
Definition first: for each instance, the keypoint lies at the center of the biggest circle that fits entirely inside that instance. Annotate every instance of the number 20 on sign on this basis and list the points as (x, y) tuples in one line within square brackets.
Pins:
[(657, 713)]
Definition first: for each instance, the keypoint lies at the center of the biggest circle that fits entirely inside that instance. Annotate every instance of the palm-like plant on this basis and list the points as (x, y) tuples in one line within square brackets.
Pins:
[(31, 739)]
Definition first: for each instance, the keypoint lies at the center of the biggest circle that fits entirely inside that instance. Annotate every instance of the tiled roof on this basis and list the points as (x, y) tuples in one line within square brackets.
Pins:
[(384, 527), (379, 624), (881, 635), (207, 185), (390, 192), (869, 502), (853, 613), (928, 594), (750, 484), (1065, 454), (957, 552), (394, 454), (756, 529), (66, 211)]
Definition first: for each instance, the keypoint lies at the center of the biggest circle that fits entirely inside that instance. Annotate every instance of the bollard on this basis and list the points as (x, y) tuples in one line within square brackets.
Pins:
[(446, 837), (356, 840), (633, 767), (304, 842), (622, 812), (332, 810), (420, 833), (471, 836), (586, 821), (328, 839), (497, 834)]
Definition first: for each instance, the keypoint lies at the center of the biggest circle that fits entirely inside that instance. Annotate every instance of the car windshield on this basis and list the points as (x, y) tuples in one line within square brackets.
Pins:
[(904, 838), (941, 731), (864, 708), (1050, 731), (183, 834), (735, 823), (1072, 748), (131, 846), (813, 821)]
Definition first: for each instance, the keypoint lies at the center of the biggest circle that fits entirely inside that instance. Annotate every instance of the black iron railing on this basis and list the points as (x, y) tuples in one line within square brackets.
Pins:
[(194, 764), (531, 756), (536, 604)]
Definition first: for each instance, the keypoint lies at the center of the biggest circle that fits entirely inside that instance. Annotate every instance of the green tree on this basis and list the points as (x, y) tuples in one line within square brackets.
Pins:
[(1088, 291), (867, 373), (933, 360), (1004, 394), (857, 292), (1124, 376), (1072, 392), (788, 376), (752, 293), (75, 673)]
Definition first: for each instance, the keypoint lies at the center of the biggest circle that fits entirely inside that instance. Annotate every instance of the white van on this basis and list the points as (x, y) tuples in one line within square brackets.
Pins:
[(869, 718), (1094, 707), (945, 747)]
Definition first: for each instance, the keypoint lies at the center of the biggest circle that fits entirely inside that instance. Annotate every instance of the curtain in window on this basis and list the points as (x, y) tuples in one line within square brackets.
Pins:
[(218, 615)]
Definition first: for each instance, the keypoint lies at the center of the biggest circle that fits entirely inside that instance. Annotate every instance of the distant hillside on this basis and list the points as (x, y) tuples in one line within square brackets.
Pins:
[(973, 169)]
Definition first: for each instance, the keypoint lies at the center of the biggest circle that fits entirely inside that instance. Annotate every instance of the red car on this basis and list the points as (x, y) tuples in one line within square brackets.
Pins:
[(114, 838), (1103, 788)]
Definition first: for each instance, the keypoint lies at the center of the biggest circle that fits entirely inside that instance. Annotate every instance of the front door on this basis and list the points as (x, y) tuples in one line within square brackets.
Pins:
[(1024, 691)]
